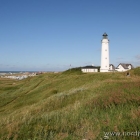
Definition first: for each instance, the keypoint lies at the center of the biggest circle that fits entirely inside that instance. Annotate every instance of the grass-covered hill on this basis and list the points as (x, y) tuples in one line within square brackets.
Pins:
[(70, 106)]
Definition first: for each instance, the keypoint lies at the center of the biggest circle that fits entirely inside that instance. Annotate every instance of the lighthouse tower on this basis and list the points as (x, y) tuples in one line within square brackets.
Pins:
[(105, 54)]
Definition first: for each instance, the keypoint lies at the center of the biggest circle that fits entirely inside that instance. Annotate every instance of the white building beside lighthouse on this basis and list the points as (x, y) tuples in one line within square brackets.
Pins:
[(105, 54)]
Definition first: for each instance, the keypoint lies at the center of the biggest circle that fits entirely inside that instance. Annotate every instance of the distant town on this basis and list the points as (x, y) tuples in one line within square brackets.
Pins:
[(19, 75)]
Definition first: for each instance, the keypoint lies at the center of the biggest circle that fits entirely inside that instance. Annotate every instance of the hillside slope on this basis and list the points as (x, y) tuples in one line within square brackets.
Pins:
[(70, 106)]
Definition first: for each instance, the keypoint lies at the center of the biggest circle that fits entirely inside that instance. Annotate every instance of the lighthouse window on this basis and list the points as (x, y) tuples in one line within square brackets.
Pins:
[(106, 50), (106, 58)]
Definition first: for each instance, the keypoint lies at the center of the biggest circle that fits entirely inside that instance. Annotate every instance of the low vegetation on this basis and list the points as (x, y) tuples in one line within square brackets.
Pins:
[(71, 106), (137, 71), (73, 71)]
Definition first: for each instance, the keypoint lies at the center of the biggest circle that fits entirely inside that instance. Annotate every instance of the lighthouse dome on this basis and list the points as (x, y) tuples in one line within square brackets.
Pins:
[(105, 36)]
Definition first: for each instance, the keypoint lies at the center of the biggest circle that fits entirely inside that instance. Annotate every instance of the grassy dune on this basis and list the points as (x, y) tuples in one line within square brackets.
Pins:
[(70, 106)]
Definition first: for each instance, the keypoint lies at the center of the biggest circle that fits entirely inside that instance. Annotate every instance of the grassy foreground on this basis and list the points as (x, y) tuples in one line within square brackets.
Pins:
[(71, 106)]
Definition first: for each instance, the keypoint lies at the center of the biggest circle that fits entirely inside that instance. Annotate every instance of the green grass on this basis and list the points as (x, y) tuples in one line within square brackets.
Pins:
[(70, 106), (73, 71), (137, 71)]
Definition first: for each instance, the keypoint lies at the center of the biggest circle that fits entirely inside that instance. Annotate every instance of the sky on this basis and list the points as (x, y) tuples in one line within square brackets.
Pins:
[(52, 35)]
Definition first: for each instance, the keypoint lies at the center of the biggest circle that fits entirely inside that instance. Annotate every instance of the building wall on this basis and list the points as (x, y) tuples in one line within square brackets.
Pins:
[(105, 56), (129, 67), (121, 69), (89, 70), (111, 68)]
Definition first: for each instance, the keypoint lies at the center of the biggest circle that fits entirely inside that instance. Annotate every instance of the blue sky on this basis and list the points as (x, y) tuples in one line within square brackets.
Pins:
[(52, 34)]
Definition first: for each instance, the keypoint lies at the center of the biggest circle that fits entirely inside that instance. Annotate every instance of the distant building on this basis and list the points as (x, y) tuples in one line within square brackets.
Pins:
[(124, 67), (90, 69), (111, 67)]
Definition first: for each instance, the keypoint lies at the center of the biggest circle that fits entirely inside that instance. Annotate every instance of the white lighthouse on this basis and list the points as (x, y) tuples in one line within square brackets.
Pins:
[(105, 54)]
